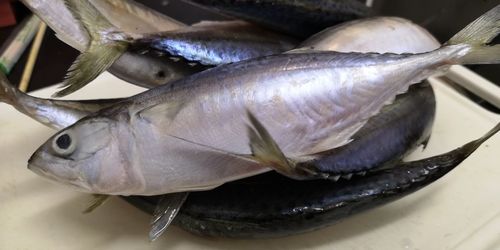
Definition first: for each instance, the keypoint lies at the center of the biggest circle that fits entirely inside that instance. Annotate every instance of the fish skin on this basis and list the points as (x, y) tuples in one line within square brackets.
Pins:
[(295, 89), (410, 37), (397, 128), (212, 43), (121, 119), (57, 114), (299, 18), (139, 69), (254, 208), (215, 43)]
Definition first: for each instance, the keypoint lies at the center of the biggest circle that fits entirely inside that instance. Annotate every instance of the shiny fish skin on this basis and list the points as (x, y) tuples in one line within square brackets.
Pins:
[(215, 43), (152, 132), (388, 35), (57, 114), (299, 18), (400, 126), (255, 208), (145, 145), (136, 68)]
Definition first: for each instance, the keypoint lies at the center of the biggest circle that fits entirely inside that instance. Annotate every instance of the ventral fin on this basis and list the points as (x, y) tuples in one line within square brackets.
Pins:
[(96, 202), (165, 212)]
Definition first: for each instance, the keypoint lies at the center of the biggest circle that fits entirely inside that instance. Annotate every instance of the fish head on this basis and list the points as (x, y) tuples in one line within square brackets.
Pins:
[(85, 156)]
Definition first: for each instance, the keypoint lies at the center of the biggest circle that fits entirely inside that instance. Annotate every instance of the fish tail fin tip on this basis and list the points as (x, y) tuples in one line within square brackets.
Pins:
[(105, 47), (478, 34), (473, 145), (490, 133)]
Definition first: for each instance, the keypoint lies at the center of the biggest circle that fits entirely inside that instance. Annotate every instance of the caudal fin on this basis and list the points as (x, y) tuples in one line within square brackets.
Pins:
[(478, 34), (105, 47)]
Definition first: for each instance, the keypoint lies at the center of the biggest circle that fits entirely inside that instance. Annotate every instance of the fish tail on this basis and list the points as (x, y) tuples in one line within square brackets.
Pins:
[(106, 45), (477, 35), (473, 145), (8, 92)]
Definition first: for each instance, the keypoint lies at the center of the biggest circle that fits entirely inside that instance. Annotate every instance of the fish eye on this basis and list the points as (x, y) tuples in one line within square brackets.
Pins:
[(64, 144)]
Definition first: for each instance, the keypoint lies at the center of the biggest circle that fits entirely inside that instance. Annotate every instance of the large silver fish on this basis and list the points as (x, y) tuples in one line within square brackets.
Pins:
[(192, 134)]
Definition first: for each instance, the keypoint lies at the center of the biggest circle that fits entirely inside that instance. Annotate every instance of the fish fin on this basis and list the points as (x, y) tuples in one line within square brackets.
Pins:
[(165, 212), (105, 47), (478, 34), (425, 142), (471, 146), (266, 151), (96, 202)]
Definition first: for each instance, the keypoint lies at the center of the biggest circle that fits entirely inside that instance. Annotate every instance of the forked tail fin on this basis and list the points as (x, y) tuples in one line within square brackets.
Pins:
[(478, 34), (105, 47)]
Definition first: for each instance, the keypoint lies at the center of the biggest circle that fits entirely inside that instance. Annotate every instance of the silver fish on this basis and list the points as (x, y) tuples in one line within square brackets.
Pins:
[(190, 135), (145, 70), (399, 30), (215, 42), (208, 43), (56, 114)]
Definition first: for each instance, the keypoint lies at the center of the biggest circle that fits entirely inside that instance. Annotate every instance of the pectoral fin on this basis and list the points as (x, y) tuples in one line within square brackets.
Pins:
[(266, 151), (165, 212)]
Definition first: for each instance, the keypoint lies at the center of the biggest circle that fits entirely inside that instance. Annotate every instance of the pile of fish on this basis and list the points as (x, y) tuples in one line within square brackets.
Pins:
[(332, 114)]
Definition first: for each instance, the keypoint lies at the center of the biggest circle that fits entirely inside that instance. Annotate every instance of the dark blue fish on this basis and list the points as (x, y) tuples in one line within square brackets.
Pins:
[(300, 18), (260, 206)]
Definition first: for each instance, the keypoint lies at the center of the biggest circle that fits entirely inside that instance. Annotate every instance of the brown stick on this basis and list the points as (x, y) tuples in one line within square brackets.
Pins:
[(30, 64)]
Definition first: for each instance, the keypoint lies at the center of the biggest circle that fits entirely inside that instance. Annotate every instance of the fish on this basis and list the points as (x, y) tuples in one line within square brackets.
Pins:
[(145, 70), (190, 135), (208, 43), (216, 42), (56, 114), (298, 18), (256, 208), (399, 116), (344, 37)]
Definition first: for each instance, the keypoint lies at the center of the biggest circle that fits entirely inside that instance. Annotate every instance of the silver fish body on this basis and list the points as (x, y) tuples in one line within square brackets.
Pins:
[(190, 135), (215, 43), (128, 16), (402, 33), (56, 114), (308, 101)]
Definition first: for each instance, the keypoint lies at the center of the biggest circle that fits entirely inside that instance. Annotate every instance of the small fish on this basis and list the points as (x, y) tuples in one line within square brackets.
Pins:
[(208, 43), (300, 18), (215, 43), (190, 135), (145, 70)]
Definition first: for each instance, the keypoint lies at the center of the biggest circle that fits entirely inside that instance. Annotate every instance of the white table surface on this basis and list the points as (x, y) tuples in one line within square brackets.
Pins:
[(460, 211)]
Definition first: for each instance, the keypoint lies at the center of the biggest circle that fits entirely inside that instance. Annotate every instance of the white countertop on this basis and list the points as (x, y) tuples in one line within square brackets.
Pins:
[(459, 211)]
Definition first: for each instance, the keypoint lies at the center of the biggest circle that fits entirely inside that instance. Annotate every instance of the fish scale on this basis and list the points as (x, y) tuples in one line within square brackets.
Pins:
[(242, 127)]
